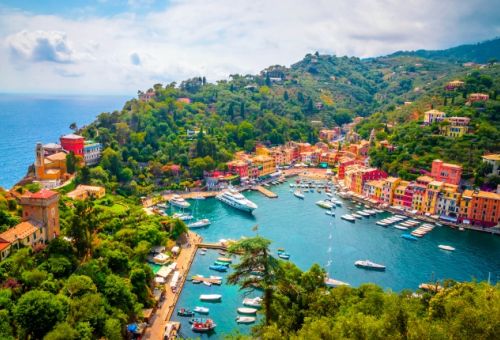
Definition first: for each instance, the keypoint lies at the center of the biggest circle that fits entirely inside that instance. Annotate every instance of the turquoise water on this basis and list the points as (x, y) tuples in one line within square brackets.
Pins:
[(311, 236), (27, 119)]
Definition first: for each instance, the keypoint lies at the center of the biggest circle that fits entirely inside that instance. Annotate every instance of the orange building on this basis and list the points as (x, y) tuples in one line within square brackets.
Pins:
[(50, 168), (480, 208)]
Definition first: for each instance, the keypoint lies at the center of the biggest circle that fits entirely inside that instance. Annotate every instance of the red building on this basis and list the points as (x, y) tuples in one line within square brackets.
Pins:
[(73, 143), (238, 167), (445, 172), (343, 164)]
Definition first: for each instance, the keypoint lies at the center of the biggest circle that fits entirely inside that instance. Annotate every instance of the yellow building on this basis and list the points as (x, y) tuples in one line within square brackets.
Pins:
[(373, 189), (433, 116), (388, 187), (418, 197), (49, 168), (84, 191), (431, 196), (449, 201), (265, 164), (399, 193), (261, 150)]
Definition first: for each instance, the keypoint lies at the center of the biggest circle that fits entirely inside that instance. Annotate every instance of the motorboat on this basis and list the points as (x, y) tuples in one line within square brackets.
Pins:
[(182, 216), (362, 213), (253, 302), (163, 205), (356, 216), (282, 254), (298, 194), (381, 223), (367, 264), (445, 247), (247, 310), (210, 297), (225, 259), (185, 312), (178, 201), (348, 217), (206, 326), (400, 227), (218, 268), (221, 263), (206, 283), (236, 200), (325, 204), (329, 194), (330, 213), (201, 310), (245, 319), (335, 283), (193, 320), (409, 237), (199, 224)]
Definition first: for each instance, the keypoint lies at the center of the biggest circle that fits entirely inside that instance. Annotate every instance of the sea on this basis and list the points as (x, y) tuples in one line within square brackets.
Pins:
[(26, 119), (310, 236)]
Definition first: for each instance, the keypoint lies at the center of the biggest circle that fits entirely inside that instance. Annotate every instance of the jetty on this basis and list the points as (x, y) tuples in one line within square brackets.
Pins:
[(207, 279), (265, 192)]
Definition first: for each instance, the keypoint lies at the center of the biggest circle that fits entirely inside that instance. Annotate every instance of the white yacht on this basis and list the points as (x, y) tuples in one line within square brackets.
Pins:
[(199, 224), (178, 201), (236, 200)]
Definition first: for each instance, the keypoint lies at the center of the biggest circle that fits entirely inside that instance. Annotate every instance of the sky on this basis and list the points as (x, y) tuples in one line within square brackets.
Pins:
[(121, 46)]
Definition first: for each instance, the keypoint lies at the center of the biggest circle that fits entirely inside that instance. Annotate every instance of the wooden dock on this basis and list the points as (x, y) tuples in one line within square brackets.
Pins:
[(207, 279), (265, 192)]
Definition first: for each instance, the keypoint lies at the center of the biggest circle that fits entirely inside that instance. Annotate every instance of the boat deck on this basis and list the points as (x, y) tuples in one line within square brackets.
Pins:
[(265, 192)]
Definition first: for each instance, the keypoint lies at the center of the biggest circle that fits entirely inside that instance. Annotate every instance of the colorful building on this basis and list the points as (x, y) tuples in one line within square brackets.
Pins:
[(456, 127), (494, 161), (446, 172), (448, 204), (429, 204), (73, 143), (265, 164), (480, 208), (453, 85), (83, 192), (92, 152), (50, 168), (238, 167), (478, 97), (373, 190), (329, 134), (388, 187), (399, 194), (433, 116)]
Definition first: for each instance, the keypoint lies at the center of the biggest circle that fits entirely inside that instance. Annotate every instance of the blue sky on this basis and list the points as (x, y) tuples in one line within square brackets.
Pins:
[(120, 46)]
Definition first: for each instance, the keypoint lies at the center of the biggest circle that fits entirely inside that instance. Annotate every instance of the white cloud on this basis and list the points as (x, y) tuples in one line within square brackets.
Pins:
[(126, 52)]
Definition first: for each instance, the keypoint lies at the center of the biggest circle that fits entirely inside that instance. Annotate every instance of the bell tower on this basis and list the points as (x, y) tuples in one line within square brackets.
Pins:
[(43, 208), (39, 161)]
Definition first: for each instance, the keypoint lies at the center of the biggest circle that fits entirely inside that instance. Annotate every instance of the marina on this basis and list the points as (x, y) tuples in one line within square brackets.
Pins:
[(337, 245)]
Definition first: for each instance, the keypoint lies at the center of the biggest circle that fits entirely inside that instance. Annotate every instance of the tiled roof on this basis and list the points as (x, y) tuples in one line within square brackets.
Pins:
[(492, 157), (72, 136), (42, 194), (59, 156), (20, 231), (4, 244)]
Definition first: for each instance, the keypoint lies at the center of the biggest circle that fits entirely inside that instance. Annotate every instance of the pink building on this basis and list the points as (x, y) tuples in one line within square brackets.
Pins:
[(446, 172), (238, 167)]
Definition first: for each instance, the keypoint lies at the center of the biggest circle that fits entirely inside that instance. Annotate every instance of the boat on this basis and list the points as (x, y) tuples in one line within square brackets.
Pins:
[(325, 204), (236, 200), (445, 247), (210, 297), (381, 223), (367, 264), (199, 224), (225, 259), (348, 217), (329, 194), (162, 205), (298, 194), (206, 326), (193, 320), (183, 217), (185, 312), (221, 263), (400, 227), (245, 319), (201, 310), (206, 283), (356, 215), (253, 302), (218, 268), (178, 201), (247, 310), (335, 283), (215, 277), (195, 281), (284, 256), (331, 213), (363, 213), (409, 237)]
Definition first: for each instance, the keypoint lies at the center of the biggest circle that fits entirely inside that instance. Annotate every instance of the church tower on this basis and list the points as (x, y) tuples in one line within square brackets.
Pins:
[(39, 161), (42, 207)]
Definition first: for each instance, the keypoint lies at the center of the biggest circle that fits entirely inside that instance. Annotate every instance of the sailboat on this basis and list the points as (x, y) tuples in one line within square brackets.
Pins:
[(205, 222)]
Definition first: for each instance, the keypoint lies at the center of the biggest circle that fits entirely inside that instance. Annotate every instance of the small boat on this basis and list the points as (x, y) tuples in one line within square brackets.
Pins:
[(329, 194), (216, 277), (185, 312), (284, 256), (382, 223), (183, 217), (225, 259), (162, 205), (367, 264), (210, 297), (298, 194), (223, 253), (335, 283), (203, 252), (461, 228), (195, 281), (179, 202), (218, 268), (356, 216), (400, 227), (199, 224), (247, 310), (206, 283), (220, 263), (255, 302), (331, 213), (325, 204), (409, 237), (349, 218), (206, 326), (193, 320), (245, 319), (362, 213), (445, 247), (201, 310)]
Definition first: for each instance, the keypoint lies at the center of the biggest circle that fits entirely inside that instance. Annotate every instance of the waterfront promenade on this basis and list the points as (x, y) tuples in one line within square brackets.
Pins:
[(167, 306)]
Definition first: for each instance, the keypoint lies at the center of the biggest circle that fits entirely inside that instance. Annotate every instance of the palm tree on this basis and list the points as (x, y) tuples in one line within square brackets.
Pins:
[(256, 257)]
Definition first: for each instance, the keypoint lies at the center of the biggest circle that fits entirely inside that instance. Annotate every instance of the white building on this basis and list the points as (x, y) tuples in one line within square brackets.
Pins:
[(92, 152)]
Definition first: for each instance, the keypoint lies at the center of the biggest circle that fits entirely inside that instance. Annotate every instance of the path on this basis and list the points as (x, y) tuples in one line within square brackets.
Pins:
[(166, 308)]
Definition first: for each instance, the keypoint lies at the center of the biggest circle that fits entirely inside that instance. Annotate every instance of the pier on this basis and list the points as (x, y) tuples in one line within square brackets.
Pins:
[(265, 192), (207, 279)]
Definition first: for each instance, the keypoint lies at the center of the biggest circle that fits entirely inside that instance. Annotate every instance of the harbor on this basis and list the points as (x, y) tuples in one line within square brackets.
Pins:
[(292, 223)]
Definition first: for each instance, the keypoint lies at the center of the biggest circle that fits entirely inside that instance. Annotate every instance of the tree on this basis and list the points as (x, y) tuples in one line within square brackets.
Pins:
[(37, 312), (73, 126), (62, 331), (113, 329), (256, 257), (82, 225)]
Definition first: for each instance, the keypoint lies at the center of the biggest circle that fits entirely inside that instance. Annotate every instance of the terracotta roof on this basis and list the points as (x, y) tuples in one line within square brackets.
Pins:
[(391, 179), (42, 194), (4, 244), (59, 156), (485, 194), (492, 157), (20, 231)]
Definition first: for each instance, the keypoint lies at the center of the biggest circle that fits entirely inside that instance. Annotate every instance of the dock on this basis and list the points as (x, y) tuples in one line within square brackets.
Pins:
[(265, 192)]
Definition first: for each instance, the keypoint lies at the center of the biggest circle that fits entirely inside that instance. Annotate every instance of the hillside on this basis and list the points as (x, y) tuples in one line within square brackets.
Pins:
[(483, 52)]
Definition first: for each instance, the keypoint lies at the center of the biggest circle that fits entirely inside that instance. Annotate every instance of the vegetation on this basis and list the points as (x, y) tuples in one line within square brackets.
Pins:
[(303, 307)]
